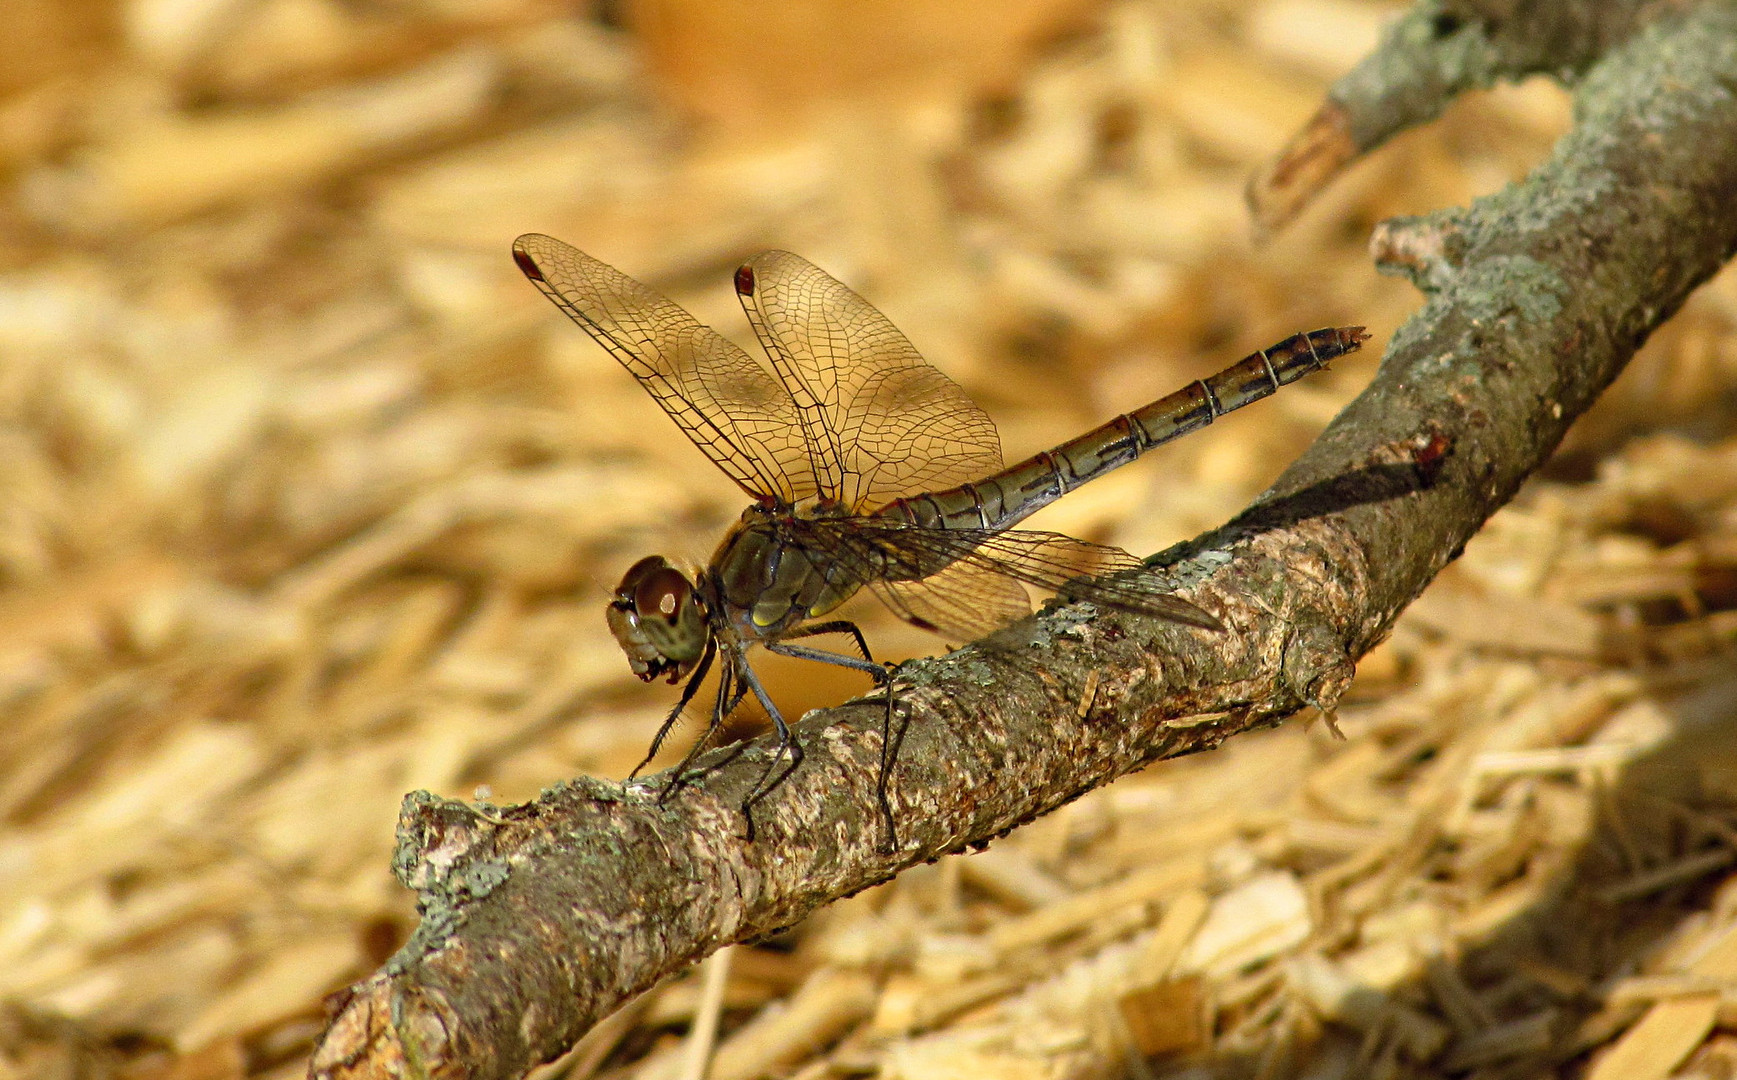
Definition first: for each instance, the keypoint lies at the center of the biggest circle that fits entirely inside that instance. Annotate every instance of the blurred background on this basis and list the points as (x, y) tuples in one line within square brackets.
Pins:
[(307, 499)]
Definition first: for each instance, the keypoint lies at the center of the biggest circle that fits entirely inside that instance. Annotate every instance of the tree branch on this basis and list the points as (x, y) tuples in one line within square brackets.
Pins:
[(540, 919), (1431, 55)]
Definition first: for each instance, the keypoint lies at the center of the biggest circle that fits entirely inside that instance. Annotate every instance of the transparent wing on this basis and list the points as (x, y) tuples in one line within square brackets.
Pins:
[(882, 422), (961, 575), (961, 603), (728, 404)]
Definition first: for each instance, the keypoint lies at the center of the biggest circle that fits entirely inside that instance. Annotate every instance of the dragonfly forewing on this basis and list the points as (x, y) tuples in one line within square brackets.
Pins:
[(733, 409)]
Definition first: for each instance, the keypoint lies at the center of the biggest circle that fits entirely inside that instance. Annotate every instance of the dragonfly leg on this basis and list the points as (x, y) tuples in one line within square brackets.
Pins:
[(786, 741), (688, 691), (889, 757), (836, 626), (730, 693), (883, 677), (872, 668)]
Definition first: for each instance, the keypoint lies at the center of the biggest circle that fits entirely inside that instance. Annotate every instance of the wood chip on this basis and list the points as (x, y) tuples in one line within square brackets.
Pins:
[(1254, 922), (1076, 912), (1166, 1018)]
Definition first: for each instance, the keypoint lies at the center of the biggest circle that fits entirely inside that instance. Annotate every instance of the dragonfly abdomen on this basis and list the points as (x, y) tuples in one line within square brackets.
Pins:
[(1004, 499)]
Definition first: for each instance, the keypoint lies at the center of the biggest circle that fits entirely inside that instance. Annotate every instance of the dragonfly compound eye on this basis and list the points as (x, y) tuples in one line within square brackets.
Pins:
[(658, 620), (662, 594)]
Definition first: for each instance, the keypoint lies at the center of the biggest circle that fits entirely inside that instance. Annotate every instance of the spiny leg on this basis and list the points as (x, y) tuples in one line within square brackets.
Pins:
[(883, 677), (836, 626), (767, 782), (889, 757), (730, 693), (688, 691)]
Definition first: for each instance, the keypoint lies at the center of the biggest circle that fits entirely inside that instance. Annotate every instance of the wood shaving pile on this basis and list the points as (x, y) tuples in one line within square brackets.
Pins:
[(307, 500)]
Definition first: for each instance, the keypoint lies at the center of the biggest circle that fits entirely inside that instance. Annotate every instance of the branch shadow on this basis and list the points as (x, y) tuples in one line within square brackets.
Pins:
[(1369, 485)]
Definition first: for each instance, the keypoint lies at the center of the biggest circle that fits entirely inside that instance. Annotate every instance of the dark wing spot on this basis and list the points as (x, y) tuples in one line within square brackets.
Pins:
[(526, 266), (745, 280)]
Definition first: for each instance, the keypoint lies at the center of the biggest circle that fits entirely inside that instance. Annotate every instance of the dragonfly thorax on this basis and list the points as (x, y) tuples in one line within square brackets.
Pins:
[(659, 618), (765, 578)]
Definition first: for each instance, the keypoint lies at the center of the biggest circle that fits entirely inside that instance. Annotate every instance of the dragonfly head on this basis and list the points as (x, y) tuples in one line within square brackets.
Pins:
[(657, 616)]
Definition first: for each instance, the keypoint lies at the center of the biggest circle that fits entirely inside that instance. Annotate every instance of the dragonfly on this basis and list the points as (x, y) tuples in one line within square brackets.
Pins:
[(867, 469)]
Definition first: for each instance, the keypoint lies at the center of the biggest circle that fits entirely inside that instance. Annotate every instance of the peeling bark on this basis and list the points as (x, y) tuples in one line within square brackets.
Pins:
[(540, 919)]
